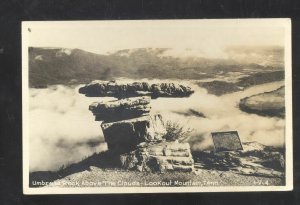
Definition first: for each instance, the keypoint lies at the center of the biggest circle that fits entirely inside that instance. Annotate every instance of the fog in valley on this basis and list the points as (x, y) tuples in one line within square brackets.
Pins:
[(63, 130), (63, 56)]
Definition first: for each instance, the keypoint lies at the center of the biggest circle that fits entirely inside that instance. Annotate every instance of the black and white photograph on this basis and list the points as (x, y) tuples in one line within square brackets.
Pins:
[(156, 106)]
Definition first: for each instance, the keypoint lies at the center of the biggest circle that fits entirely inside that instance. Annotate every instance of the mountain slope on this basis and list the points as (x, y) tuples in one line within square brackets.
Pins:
[(265, 104), (218, 87), (48, 66)]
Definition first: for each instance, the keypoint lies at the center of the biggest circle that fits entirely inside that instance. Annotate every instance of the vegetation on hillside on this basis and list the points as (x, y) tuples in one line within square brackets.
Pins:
[(49, 66), (218, 87)]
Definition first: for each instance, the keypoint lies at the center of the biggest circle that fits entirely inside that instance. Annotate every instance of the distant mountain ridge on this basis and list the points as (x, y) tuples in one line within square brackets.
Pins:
[(49, 66), (266, 104)]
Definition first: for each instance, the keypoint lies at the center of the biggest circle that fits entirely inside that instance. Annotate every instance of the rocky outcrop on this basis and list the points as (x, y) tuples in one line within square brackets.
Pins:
[(258, 163), (135, 138), (127, 122), (113, 89), (164, 156), (255, 159), (125, 135), (121, 109)]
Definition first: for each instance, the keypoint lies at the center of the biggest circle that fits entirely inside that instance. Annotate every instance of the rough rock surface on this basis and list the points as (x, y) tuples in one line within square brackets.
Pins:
[(256, 165), (126, 125), (255, 159), (125, 135), (113, 89), (121, 109), (164, 156)]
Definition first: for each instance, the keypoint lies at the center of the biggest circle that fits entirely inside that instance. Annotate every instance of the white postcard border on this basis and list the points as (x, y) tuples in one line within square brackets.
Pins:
[(286, 23)]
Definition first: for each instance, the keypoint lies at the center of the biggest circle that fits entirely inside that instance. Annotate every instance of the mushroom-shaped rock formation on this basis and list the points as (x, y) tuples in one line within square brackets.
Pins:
[(113, 89), (131, 133)]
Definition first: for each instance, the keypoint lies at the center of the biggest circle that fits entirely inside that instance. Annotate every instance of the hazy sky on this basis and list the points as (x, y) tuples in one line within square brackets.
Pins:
[(107, 36)]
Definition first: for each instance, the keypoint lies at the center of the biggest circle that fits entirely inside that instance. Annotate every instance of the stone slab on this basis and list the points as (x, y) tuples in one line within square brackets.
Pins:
[(133, 131), (153, 158), (126, 90), (121, 109)]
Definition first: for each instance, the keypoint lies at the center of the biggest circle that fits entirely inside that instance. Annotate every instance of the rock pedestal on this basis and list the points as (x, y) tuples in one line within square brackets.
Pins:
[(121, 109), (125, 135), (132, 134), (164, 156)]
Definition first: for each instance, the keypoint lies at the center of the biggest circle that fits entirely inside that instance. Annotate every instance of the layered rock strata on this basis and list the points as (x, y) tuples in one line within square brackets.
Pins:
[(135, 137), (121, 109), (164, 156), (113, 89), (125, 135)]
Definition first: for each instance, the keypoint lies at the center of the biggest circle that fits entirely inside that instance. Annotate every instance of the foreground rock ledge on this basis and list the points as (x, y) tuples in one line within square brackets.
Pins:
[(162, 157), (113, 89)]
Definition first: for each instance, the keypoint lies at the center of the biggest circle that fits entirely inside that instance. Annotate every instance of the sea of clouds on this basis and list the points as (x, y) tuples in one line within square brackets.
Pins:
[(62, 130)]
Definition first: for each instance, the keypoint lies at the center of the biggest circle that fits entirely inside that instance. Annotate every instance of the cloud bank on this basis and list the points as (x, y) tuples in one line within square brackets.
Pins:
[(63, 130)]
